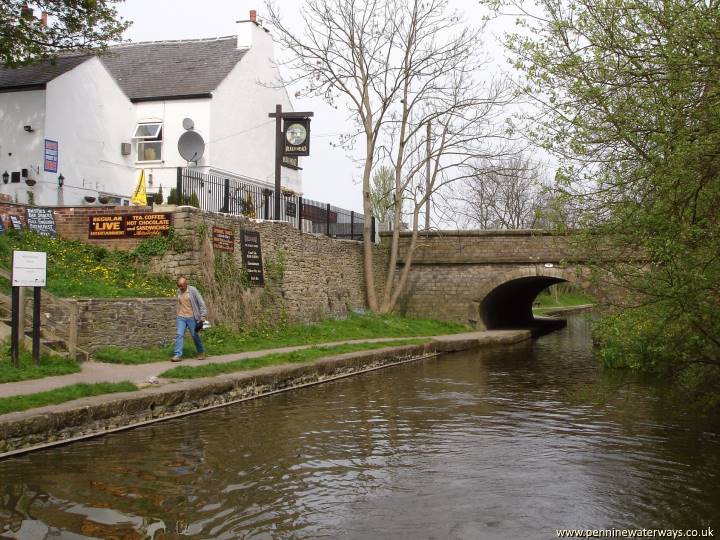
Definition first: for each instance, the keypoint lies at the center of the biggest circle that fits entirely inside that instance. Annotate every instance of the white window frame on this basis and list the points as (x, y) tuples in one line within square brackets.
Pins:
[(146, 140), (157, 125)]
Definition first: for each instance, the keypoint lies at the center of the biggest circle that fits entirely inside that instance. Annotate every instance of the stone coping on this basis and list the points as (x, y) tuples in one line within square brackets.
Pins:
[(35, 429)]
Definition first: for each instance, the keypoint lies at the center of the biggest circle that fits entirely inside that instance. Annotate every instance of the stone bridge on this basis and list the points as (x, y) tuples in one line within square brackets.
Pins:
[(488, 279)]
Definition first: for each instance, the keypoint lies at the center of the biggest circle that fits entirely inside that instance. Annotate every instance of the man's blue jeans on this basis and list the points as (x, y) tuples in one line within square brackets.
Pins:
[(189, 323)]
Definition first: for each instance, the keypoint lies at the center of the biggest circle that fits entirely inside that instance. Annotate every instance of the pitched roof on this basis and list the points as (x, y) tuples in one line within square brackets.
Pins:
[(146, 71), (36, 76), (172, 69)]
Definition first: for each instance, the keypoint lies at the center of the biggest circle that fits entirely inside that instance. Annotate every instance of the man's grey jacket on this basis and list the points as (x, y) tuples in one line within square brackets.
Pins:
[(196, 301)]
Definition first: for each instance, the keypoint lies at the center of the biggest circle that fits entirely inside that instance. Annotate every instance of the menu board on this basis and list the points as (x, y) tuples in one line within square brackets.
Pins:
[(129, 225), (41, 220), (223, 239), (252, 257)]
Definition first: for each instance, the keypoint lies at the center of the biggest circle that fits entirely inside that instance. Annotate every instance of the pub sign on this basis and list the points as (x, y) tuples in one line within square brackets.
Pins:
[(296, 136)]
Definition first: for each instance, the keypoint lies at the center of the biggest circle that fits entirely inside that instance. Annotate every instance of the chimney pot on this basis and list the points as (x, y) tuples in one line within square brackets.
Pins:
[(253, 15)]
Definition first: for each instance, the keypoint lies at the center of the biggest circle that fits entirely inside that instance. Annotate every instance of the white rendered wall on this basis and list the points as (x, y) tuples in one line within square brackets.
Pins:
[(172, 113), (242, 140), (89, 116), (18, 148)]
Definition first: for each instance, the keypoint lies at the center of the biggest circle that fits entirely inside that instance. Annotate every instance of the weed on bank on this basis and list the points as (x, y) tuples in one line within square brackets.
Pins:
[(48, 366), (61, 395), (274, 359), (222, 341)]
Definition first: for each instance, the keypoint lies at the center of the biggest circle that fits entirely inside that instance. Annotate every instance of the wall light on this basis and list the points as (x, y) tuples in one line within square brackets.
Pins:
[(5, 177), (61, 180)]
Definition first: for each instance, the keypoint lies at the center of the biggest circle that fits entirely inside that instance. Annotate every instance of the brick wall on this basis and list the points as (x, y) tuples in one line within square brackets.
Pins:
[(72, 221)]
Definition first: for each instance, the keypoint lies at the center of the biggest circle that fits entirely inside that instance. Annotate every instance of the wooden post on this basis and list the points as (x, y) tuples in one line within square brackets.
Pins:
[(37, 291), (278, 160), (14, 327)]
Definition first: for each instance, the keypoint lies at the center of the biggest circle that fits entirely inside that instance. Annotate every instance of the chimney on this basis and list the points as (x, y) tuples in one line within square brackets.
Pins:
[(43, 19), (253, 16), (249, 31)]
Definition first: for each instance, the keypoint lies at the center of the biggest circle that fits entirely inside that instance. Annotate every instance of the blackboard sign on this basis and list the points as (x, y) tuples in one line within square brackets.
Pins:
[(41, 220), (16, 222), (2, 224), (252, 257), (223, 239)]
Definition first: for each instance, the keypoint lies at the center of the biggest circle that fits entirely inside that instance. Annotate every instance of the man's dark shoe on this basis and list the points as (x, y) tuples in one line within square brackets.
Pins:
[(175, 359)]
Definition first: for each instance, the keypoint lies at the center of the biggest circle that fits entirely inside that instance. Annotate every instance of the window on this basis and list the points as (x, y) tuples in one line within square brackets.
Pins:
[(149, 141)]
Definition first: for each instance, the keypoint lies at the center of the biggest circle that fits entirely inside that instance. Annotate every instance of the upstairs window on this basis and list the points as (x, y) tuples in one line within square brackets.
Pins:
[(149, 141)]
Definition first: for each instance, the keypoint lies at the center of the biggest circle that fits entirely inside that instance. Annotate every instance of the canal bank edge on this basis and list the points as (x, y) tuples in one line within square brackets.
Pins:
[(35, 429)]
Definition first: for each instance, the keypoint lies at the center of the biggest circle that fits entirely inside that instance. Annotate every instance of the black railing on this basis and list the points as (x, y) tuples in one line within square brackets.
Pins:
[(215, 193)]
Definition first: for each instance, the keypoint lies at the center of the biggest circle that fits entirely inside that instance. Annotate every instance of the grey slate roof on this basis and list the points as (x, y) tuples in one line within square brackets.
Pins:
[(37, 75), (172, 69), (147, 71)]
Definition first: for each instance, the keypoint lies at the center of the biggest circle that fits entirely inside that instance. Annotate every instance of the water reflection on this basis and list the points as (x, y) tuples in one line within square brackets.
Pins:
[(491, 444)]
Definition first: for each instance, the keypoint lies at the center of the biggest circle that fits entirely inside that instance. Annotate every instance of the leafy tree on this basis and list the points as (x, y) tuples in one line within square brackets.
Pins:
[(71, 25), (629, 93)]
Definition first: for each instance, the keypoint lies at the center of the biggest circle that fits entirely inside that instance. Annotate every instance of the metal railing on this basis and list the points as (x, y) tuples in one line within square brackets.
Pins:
[(215, 193)]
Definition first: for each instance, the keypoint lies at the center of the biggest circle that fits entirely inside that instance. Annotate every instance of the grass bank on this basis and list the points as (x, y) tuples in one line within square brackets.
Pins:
[(61, 395), (545, 301), (304, 355), (49, 365), (222, 341), (79, 269)]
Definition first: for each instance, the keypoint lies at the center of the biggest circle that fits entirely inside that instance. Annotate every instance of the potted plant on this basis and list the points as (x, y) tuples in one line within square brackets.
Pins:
[(89, 198), (30, 181), (103, 199)]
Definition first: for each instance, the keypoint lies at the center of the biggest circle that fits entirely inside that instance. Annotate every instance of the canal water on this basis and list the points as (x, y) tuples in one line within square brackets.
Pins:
[(508, 443)]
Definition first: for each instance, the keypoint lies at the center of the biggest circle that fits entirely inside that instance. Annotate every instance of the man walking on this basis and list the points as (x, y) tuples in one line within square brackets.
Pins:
[(191, 313)]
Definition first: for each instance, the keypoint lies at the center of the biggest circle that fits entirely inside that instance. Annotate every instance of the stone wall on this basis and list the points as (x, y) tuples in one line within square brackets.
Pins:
[(125, 322), (322, 276)]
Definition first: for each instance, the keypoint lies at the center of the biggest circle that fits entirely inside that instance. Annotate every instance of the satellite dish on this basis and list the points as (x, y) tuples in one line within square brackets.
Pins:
[(188, 123), (191, 146)]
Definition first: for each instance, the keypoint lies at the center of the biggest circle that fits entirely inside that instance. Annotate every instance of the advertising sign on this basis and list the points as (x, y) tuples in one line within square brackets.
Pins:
[(41, 220), (223, 239), (252, 257), (16, 222), (129, 225), (29, 269), (51, 156)]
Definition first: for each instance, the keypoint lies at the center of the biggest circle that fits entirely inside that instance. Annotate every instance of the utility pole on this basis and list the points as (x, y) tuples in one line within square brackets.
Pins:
[(427, 179)]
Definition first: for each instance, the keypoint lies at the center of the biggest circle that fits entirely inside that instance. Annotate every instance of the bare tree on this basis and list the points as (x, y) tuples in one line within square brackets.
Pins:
[(399, 65), (508, 195)]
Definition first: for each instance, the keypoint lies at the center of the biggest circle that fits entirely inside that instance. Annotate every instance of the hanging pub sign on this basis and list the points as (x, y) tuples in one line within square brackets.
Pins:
[(129, 225), (252, 257), (291, 162), (296, 136)]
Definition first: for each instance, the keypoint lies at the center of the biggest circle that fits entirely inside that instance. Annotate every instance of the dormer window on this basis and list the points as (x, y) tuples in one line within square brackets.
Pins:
[(149, 141)]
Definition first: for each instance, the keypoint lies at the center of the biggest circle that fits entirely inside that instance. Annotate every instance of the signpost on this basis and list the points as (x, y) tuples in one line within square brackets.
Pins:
[(295, 141), (29, 269)]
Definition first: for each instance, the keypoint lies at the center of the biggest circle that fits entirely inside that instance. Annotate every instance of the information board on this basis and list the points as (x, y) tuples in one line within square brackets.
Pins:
[(290, 209), (29, 269), (252, 257), (129, 225), (41, 220), (223, 239)]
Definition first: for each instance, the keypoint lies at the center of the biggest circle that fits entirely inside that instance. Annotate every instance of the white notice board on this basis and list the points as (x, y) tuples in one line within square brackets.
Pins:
[(29, 269)]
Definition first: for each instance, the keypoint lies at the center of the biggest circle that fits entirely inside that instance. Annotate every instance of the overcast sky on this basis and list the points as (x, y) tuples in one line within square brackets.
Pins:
[(329, 175)]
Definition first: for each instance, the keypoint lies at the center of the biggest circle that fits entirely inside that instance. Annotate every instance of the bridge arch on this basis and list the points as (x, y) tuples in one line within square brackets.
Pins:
[(506, 300)]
